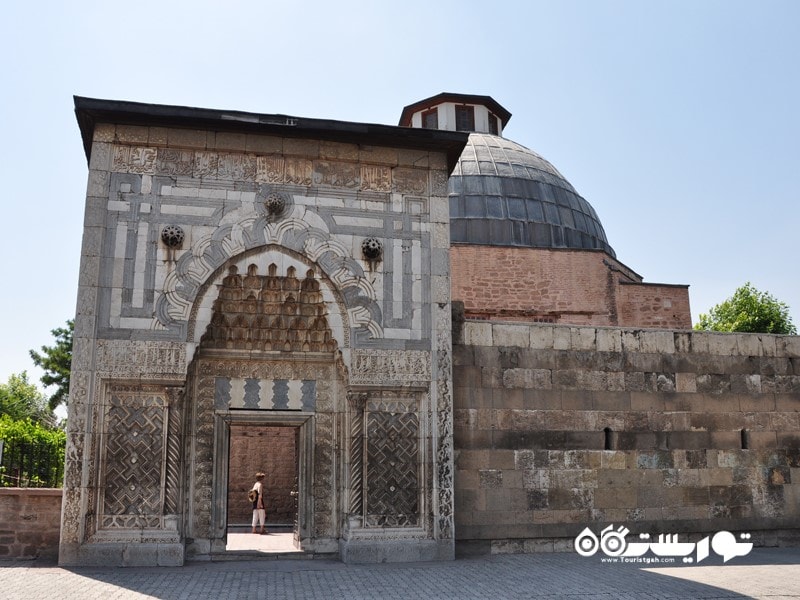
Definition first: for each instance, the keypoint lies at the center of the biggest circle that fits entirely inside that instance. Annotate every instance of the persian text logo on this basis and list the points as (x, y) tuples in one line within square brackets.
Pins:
[(666, 549)]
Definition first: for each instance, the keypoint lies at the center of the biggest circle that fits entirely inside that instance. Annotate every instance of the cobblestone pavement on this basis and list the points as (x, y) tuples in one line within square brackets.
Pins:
[(765, 573)]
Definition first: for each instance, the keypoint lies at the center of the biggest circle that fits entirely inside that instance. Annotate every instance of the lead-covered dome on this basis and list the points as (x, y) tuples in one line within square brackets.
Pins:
[(503, 194)]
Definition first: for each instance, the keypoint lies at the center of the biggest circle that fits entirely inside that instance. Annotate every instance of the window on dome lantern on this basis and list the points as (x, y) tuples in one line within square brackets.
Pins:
[(465, 118), (430, 119), (492, 124)]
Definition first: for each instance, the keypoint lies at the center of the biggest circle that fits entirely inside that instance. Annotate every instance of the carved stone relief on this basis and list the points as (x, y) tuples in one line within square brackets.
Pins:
[(410, 181), (444, 427), (175, 162), (317, 378), (269, 169), (356, 405), (390, 368), (134, 159), (123, 358), (393, 486), (376, 178), (140, 458), (338, 174), (295, 232), (269, 312)]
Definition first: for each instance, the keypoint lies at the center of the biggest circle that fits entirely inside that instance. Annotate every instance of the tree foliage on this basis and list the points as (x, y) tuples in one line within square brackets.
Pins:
[(748, 311), (56, 361), (33, 454), (20, 399)]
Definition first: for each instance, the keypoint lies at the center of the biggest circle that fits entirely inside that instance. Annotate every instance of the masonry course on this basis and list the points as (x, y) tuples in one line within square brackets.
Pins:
[(660, 431)]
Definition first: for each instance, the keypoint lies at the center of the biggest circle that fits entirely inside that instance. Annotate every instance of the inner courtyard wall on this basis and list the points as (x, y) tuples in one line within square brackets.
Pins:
[(558, 428), (270, 450)]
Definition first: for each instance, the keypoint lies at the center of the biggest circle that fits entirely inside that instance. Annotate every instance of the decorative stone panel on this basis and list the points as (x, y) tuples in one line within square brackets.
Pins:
[(265, 394), (136, 457), (390, 368), (269, 312), (392, 489)]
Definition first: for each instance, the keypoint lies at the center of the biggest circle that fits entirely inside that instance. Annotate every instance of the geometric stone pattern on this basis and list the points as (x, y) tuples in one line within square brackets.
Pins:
[(220, 201), (265, 394), (134, 465), (173, 305), (269, 313), (221, 222), (392, 478)]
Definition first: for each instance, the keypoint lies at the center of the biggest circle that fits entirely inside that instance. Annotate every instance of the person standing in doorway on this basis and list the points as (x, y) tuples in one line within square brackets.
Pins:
[(259, 510)]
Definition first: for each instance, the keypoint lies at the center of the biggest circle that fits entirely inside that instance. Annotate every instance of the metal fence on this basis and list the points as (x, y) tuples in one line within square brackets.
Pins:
[(23, 464)]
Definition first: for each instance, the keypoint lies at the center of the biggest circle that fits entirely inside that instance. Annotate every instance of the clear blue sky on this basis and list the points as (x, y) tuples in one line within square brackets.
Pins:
[(678, 121)]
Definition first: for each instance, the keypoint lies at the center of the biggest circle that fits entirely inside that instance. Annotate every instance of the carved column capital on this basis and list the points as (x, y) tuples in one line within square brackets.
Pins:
[(357, 400), (174, 395)]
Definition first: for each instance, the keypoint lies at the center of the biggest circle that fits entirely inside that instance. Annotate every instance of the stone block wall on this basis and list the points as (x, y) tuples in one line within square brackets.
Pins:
[(272, 451), (580, 287), (558, 427), (30, 521)]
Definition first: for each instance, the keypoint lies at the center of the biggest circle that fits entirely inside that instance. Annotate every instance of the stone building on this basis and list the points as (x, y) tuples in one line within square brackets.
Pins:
[(262, 281)]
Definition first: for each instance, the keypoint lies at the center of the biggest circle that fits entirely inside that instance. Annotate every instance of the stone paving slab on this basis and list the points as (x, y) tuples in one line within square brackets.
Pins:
[(765, 573), (270, 542)]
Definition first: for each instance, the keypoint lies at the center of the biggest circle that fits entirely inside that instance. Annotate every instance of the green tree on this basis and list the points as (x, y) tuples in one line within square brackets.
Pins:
[(20, 399), (33, 454), (56, 361), (749, 311)]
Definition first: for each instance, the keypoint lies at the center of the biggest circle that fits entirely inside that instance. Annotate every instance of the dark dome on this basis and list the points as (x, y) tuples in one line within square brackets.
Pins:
[(502, 194)]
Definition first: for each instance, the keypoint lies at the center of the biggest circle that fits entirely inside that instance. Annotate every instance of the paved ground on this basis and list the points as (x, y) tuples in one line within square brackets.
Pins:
[(271, 542), (764, 573)]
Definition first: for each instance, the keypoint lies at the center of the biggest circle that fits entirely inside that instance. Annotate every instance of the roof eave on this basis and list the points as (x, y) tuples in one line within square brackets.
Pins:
[(91, 111)]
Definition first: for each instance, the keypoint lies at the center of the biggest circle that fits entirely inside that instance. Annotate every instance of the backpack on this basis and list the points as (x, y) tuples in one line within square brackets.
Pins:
[(252, 495)]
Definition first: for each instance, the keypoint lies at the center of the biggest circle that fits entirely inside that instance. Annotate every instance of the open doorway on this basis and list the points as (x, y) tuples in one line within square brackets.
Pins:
[(273, 450)]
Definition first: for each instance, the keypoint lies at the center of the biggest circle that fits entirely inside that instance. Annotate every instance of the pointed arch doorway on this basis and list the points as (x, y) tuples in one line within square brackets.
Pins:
[(267, 366)]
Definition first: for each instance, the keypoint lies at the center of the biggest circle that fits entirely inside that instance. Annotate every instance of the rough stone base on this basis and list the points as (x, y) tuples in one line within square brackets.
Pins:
[(382, 551), (121, 555)]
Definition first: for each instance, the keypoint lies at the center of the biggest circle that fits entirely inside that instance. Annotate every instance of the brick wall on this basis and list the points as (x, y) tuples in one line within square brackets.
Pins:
[(702, 431), (581, 287), (30, 522), (268, 449), (654, 305)]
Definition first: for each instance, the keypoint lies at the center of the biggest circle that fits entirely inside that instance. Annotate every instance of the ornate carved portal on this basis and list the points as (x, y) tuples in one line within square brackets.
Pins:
[(366, 459), (266, 358)]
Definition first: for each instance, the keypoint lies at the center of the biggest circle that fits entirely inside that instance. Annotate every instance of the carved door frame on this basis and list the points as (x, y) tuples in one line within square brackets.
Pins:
[(304, 422)]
